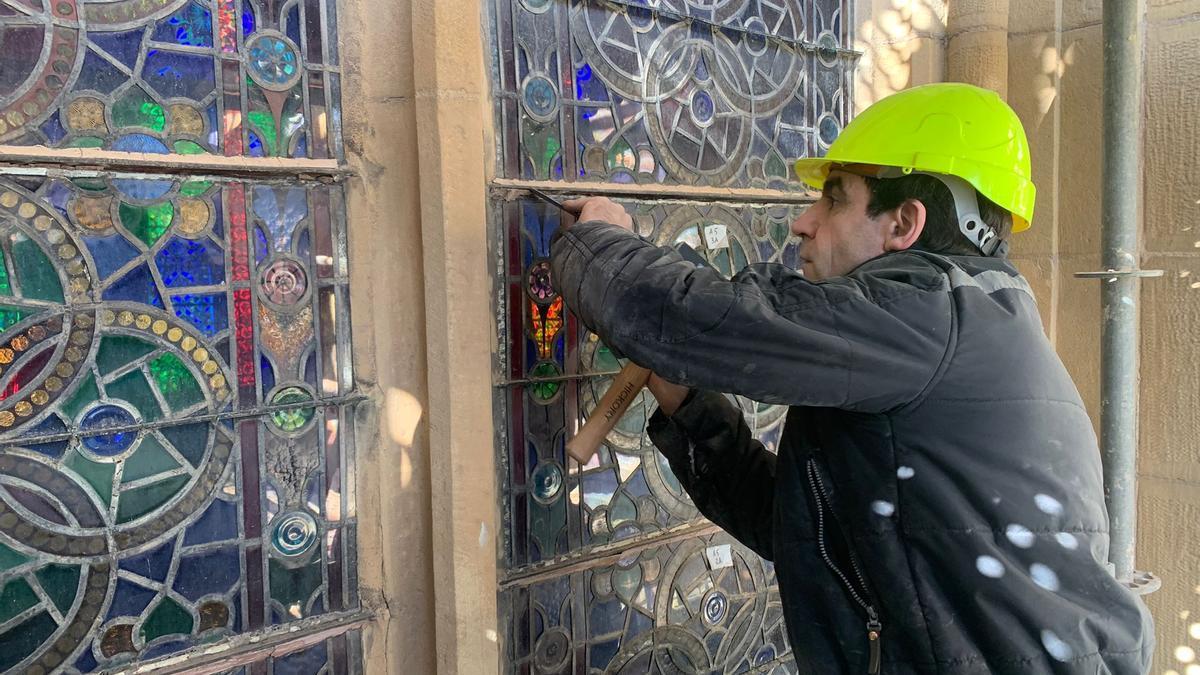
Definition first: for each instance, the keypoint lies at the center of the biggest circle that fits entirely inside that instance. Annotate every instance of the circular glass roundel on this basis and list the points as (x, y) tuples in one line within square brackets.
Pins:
[(703, 107), (294, 533), (273, 62), (107, 416), (293, 419), (284, 282), (539, 282), (547, 482), (715, 606), (828, 129), (540, 98)]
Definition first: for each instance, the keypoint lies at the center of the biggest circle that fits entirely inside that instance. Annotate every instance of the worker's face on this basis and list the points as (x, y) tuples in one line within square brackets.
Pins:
[(836, 232)]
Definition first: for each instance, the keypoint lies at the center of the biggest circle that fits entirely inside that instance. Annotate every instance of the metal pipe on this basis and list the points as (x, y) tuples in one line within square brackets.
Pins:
[(1120, 193)]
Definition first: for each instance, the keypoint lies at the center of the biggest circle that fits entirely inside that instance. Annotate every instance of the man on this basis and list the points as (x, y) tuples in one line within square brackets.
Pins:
[(936, 505)]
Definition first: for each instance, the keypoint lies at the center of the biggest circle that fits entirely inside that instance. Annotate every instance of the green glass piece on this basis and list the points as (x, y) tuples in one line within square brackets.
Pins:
[(147, 223), (138, 502), (546, 523), (133, 387), (90, 184), (194, 187), (168, 618), (544, 391), (294, 587), (137, 109), (189, 440), (266, 128), (16, 597), (10, 316), (621, 510), (739, 258), (118, 351), (188, 148), (85, 395), (33, 268), (176, 383), (150, 459), (295, 418), (99, 475), (10, 558), (19, 642), (85, 142), (60, 582), (604, 359), (5, 285), (779, 233), (775, 167)]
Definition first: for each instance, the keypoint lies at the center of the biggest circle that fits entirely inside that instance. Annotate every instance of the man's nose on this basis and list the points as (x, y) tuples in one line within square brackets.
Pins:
[(806, 223)]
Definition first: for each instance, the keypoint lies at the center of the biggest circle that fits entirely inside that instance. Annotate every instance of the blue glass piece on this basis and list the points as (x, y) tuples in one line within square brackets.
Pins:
[(98, 74), (218, 523), (51, 425), (702, 105), (191, 25), (124, 47), (256, 146), (603, 652), (142, 143), (59, 195), (86, 663), (301, 146), (206, 312), (211, 113), (268, 374), (169, 647), (293, 23), (606, 617), (110, 253), (53, 129), (213, 572), (281, 219), (294, 533), (152, 565), (247, 18), (237, 612), (106, 416), (310, 660), (129, 599), (173, 74), (137, 286), (260, 245), (183, 262)]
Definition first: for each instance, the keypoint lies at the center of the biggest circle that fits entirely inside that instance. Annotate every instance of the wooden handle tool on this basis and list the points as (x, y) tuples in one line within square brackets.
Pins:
[(614, 403)]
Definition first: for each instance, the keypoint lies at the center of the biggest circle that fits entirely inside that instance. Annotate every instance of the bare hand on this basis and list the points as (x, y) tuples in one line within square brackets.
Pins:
[(602, 209), (669, 396)]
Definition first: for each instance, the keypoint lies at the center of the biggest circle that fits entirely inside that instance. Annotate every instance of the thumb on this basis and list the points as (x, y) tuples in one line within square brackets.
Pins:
[(575, 205)]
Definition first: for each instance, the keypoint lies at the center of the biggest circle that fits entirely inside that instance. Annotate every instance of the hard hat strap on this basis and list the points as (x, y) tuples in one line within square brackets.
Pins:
[(970, 222)]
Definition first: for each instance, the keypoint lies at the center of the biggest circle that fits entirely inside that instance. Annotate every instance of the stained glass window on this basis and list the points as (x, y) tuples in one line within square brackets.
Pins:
[(176, 453), (229, 77), (608, 566)]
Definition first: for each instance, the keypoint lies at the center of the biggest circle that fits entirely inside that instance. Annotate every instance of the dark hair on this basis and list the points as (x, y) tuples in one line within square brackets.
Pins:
[(941, 234)]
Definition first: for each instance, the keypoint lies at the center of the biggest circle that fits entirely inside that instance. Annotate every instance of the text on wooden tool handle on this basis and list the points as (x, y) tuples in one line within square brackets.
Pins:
[(619, 402)]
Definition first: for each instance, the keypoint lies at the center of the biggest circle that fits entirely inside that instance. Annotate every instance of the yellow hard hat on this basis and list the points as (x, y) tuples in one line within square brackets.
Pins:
[(948, 128)]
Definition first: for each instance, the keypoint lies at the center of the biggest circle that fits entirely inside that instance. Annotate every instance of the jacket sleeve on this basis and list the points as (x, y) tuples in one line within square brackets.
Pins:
[(729, 475), (869, 342)]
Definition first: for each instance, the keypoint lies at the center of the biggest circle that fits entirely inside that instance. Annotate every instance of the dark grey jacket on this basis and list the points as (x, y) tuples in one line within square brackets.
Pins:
[(938, 482)]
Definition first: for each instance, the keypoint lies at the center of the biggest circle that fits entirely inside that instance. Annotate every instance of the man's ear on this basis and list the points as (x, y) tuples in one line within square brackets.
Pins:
[(906, 227)]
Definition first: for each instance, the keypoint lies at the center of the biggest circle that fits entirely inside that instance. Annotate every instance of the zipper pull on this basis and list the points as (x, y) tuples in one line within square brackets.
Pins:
[(874, 628)]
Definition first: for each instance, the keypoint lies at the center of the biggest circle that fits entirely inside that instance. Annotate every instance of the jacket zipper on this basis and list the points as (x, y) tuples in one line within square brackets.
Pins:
[(874, 627)]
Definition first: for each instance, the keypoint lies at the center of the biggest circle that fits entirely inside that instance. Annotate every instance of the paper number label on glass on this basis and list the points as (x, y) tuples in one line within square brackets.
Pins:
[(719, 557)]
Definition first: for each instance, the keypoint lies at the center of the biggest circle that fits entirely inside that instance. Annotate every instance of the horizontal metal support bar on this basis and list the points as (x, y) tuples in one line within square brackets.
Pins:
[(680, 17), (508, 189), (605, 554), (1142, 583), (86, 162), (1116, 274), (245, 649), (500, 384), (260, 411)]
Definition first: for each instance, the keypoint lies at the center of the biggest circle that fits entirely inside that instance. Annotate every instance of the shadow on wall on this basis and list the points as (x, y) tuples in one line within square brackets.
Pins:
[(898, 34)]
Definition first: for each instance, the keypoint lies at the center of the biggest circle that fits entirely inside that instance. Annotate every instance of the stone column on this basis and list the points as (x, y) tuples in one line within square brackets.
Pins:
[(977, 48)]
